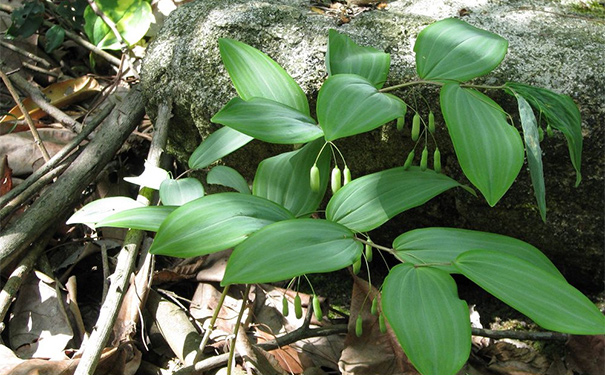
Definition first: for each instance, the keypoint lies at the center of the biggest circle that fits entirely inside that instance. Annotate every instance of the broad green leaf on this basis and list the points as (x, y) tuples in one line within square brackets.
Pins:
[(218, 144), (547, 299), (430, 321), (131, 17), (268, 120), (533, 152), (98, 210), (284, 178), (348, 104), (561, 113), (179, 192), (143, 218), (291, 248), (213, 223), (451, 49), (344, 56), (54, 38), (256, 75), (443, 245), (229, 177), (369, 201), (26, 20), (489, 150)]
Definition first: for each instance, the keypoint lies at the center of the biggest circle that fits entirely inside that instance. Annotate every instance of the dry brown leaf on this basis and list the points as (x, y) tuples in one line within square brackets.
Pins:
[(505, 358), (373, 352), (60, 95), (6, 176), (23, 153), (39, 326), (586, 354)]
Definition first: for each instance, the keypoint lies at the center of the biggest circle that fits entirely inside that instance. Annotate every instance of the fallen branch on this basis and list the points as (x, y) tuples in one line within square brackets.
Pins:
[(126, 259), (62, 196), (520, 335)]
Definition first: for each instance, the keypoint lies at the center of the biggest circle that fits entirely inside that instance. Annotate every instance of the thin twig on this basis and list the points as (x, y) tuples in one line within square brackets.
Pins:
[(42, 101), (25, 113), (57, 158), (25, 53), (520, 335), (121, 277), (16, 278)]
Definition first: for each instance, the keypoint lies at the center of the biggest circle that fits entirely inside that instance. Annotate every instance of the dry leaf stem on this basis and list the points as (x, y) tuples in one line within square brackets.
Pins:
[(28, 118), (126, 260)]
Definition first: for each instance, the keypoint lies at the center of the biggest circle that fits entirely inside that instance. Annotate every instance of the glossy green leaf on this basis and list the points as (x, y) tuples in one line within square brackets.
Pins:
[(284, 178), (291, 248), (54, 38), (451, 49), (443, 245), (26, 20), (489, 150), (348, 104), (430, 321), (229, 177), (369, 201), (213, 223), (268, 120), (561, 113), (533, 152), (131, 17), (218, 144), (344, 56), (143, 218), (179, 192), (547, 299), (256, 75), (98, 210)]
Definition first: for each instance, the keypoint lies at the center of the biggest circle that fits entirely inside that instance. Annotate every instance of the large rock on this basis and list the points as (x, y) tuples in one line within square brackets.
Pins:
[(549, 46)]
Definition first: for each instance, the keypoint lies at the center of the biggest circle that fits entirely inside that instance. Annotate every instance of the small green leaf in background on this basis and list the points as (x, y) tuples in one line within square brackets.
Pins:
[(348, 104), (443, 245), (545, 298), (285, 178), (144, 218), (268, 120), (54, 38), (345, 57), (292, 248), (229, 177), (561, 113), (369, 201), (451, 49), (26, 20), (218, 144), (131, 17), (256, 75), (489, 150), (430, 321), (533, 152), (179, 192), (98, 210), (213, 223)]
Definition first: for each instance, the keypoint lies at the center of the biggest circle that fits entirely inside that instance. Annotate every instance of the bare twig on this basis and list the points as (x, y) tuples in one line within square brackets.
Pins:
[(520, 335), (25, 113), (25, 53), (16, 278), (62, 196), (55, 160), (126, 259)]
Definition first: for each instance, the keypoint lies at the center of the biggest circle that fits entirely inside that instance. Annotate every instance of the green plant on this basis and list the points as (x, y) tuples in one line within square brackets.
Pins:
[(271, 232)]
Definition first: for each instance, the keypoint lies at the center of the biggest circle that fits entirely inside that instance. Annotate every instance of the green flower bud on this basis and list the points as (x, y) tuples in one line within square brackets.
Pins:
[(298, 307), (409, 160), (374, 309), (314, 178), (431, 122), (317, 308), (424, 159), (346, 175), (336, 180), (437, 161), (284, 306), (415, 127), (359, 326)]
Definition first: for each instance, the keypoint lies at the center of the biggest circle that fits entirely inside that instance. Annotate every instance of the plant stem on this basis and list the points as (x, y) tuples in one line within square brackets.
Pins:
[(379, 247), (236, 329), (210, 327), (407, 84)]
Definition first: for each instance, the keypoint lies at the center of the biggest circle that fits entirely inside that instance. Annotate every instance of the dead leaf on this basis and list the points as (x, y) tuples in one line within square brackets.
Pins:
[(39, 326), (505, 358), (60, 95), (24, 154), (373, 352), (586, 354), (6, 176)]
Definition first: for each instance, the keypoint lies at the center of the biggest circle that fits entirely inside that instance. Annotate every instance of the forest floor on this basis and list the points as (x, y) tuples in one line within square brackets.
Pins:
[(62, 283)]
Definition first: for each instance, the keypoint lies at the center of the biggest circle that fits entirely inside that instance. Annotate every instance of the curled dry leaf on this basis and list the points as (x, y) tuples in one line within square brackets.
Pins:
[(60, 95)]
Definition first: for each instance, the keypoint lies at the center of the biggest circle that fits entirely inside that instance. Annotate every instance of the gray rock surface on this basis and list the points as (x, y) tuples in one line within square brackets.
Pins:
[(550, 46)]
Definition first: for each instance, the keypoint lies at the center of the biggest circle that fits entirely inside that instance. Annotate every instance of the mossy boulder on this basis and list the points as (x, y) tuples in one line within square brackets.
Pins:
[(550, 46)]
